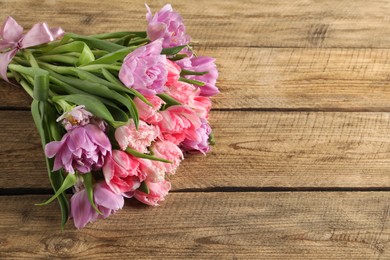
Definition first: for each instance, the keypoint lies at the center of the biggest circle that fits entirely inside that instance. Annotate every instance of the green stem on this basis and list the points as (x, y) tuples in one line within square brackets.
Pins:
[(65, 106), (59, 58), (116, 35), (58, 69), (138, 41), (30, 57), (145, 156), (99, 52), (26, 87), (21, 61), (98, 67)]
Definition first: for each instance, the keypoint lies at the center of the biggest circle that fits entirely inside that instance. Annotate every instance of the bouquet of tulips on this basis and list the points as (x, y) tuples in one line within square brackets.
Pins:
[(115, 111)]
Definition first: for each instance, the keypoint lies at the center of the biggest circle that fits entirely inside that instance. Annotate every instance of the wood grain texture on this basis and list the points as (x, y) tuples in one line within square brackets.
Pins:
[(292, 79), (260, 23), (208, 226), (254, 149)]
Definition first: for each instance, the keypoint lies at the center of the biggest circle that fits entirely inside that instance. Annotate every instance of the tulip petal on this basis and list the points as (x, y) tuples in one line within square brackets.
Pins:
[(105, 197), (81, 210)]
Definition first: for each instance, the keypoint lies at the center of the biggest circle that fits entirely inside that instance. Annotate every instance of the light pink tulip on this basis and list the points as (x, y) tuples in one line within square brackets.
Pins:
[(140, 140), (157, 193), (148, 113), (182, 92), (179, 123), (202, 106), (169, 151), (173, 73), (145, 69), (168, 25), (201, 142), (122, 172)]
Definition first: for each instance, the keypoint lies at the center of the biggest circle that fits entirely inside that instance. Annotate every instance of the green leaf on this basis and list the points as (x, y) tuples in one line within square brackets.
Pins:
[(97, 89), (69, 181), (53, 127), (124, 41), (113, 57), (56, 178), (144, 188), (178, 57), (190, 72), (59, 86), (116, 35), (133, 111), (74, 46), (192, 81), (91, 103), (173, 51), (145, 156), (96, 43), (89, 187), (86, 55), (118, 114), (211, 139), (170, 101)]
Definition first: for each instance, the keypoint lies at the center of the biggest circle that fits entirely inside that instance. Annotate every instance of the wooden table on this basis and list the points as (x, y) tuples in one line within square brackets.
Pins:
[(302, 163)]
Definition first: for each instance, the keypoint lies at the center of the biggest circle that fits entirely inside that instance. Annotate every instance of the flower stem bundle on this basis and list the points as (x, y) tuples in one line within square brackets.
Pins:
[(116, 112)]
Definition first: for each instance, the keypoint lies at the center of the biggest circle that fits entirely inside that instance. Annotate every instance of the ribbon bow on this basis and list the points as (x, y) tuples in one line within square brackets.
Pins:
[(12, 40)]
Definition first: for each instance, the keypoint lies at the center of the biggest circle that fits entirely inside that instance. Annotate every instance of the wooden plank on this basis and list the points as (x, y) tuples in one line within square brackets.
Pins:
[(254, 149), (208, 225), (262, 23), (293, 79)]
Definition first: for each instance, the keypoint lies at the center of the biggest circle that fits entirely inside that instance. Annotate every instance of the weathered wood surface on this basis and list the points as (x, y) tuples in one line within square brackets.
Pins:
[(254, 150), (333, 79), (329, 225), (259, 23), (326, 62)]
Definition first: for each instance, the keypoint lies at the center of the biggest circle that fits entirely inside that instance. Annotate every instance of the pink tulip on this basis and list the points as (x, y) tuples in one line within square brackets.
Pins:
[(168, 25), (169, 151), (145, 69), (202, 64), (202, 106), (157, 192), (148, 113), (182, 92), (178, 123), (122, 172), (83, 148), (140, 140), (173, 73), (105, 199), (201, 142)]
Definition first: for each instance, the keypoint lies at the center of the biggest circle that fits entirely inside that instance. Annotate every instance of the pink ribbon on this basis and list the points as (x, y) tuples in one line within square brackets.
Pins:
[(12, 40)]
